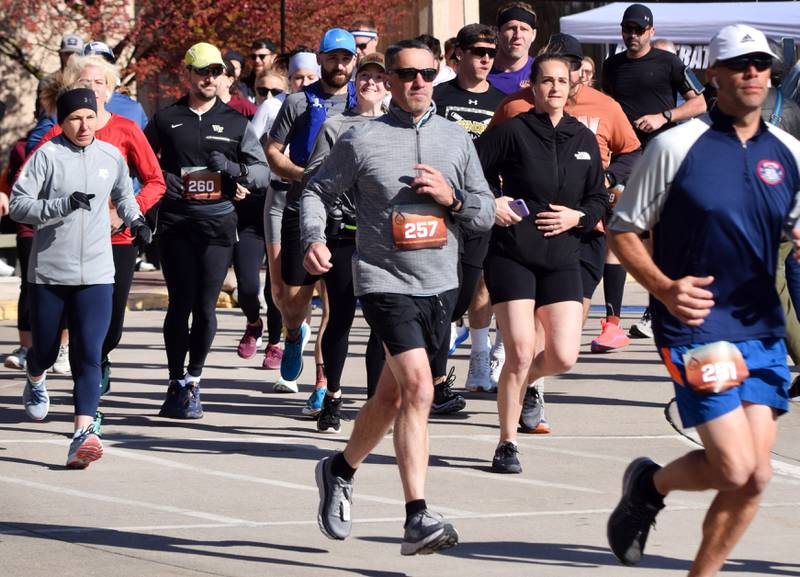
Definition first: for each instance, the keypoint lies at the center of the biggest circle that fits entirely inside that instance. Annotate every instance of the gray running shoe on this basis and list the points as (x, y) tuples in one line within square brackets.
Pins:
[(427, 533), (479, 377), (17, 359), (335, 501), (62, 366), (36, 400), (85, 448), (532, 415)]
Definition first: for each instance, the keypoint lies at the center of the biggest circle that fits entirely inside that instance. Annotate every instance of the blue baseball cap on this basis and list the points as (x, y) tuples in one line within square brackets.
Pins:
[(337, 39)]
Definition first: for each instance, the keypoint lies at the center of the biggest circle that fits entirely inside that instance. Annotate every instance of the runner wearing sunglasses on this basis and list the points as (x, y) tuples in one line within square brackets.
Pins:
[(206, 149), (720, 190)]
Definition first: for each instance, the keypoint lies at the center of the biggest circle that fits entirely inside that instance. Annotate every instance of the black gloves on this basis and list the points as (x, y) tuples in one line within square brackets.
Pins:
[(174, 186), (218, 162), (142, 235), (80, 200)]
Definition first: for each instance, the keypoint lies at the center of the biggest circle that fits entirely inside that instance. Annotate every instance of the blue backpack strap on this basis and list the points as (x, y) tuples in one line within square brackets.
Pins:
[(303, 141), (777, 110)]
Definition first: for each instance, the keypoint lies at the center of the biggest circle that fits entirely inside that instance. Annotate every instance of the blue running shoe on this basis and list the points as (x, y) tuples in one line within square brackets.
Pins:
[(458, 334), (292, 361), (314, 403)]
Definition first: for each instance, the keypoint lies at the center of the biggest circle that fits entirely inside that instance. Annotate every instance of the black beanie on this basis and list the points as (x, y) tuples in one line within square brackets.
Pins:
[(74, 100)]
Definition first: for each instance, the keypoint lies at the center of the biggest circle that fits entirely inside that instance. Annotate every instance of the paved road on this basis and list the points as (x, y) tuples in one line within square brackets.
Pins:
[(234, 493)]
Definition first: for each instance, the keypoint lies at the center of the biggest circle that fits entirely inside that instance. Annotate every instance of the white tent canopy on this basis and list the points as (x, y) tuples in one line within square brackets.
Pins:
[(693, 23)]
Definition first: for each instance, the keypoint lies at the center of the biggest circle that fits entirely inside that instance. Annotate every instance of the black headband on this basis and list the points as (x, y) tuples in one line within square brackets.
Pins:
[(516, 13), (74, 100)]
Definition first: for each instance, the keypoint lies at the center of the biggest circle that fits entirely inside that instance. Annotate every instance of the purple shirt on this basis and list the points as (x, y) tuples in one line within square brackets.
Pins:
[(509, 82)]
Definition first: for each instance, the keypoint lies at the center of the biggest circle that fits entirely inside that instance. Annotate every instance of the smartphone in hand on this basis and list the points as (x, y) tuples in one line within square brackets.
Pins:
[(519, 208)]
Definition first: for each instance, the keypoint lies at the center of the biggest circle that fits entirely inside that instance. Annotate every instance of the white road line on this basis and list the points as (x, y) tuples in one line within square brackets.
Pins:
[(372, 520), (519, 480)]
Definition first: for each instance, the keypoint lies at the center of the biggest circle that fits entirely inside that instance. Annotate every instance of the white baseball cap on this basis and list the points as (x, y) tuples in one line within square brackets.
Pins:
[(737, 40)]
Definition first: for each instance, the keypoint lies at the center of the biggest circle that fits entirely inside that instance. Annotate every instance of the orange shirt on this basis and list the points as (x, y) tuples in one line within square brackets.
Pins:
[(600, 113)]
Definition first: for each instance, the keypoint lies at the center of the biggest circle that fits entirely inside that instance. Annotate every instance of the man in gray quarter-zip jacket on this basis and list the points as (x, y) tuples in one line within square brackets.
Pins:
[(415, 176), (63, 190)]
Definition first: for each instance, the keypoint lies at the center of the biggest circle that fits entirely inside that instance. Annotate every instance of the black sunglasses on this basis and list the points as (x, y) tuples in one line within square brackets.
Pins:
[(260, 56), (638, 30), (362, 46), (264, 91), (481, 51), (213, 70), (761, 63), (409, 74)]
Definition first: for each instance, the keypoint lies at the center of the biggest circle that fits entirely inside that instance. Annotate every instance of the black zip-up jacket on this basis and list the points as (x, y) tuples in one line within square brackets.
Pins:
[(544, 165), (184, 138)]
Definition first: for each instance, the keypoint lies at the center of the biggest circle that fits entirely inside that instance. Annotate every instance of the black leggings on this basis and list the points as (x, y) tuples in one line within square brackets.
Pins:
[(341, 310), (24, 246), (124, 264), (194, 272), (248, 256)]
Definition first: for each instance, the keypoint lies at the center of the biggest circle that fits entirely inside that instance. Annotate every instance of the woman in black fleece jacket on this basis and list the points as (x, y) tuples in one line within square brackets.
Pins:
[(550, 161)]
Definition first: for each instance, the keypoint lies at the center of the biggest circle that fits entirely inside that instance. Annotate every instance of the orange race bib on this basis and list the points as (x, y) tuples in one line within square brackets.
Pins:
[(200, 183), (416, 226), (715, 367)]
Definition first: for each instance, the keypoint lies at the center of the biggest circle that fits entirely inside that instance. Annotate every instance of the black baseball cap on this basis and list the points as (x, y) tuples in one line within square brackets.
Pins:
[(639, 14), (564, 45)]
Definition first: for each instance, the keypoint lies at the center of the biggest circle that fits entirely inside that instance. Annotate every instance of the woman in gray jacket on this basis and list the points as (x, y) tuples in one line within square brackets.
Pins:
[(63, 191)]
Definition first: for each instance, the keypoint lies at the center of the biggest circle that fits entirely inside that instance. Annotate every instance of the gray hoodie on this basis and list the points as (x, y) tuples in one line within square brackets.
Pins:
[(72, 247), (375, 161)]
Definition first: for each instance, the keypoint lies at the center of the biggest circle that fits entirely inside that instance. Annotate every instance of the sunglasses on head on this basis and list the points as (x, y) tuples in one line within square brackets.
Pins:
[(761, 63), (212, 70), (481, 51), (260, 56), (409, 74), (264, 91), (633, 29)]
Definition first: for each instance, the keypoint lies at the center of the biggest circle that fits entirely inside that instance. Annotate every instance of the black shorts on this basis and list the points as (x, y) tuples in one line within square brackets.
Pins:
[(508, 280), (293, 252), (405, 322), (475, 245), (593, 261)]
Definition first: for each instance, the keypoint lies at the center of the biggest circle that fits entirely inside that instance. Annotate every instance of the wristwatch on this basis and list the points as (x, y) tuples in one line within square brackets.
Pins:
[(581, 221), (455, 206), (668, 115)]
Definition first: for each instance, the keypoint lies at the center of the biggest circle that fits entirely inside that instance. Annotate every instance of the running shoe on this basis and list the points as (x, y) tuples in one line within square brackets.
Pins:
[(98, 423), (314, 403), (5, 268), (251, 340), (272, 357), (531, 419), (292, 361), (629, 524), (105, 376), (335, 501), (35, 399), (496, 361), (611, 338), (61, 366), (182, 402), (643, 328), (330, 418), (479, 377), (445, 401), (284, 386), (17, 359), (505, 458), (458, 334), (85, 448), (426, 533)]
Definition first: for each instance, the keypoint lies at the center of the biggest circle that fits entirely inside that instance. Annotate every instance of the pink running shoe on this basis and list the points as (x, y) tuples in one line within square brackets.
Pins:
[(251, 340), (611, 338), (272, 357)]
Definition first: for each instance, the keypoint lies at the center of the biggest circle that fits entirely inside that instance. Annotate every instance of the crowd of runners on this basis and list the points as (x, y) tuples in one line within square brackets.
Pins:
[(438, 187)]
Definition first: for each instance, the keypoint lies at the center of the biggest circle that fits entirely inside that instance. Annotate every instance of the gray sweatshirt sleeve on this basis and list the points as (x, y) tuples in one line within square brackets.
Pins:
[(477, 212), (336, 175), (25, 206), (122, 195), (252, 155)]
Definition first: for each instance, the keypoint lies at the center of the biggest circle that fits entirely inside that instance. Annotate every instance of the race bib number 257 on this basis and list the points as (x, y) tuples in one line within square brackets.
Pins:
[(416, 226)]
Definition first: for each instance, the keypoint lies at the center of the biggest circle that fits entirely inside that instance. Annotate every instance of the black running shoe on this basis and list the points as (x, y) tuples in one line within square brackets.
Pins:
[(445, 401), (629, 524), (330, 417), (182, 402), (505, 459)]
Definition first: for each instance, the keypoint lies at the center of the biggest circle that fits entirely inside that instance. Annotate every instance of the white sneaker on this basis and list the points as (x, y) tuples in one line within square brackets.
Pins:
[(284, 386), (17, 359), (642, 329), (61, 366), (480, 373), (496, 362), (458, 334), (5, 268), (144, 266)]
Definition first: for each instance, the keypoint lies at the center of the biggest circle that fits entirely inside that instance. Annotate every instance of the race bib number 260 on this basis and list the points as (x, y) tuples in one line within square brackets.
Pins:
[(200, 183), (416, 226)]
